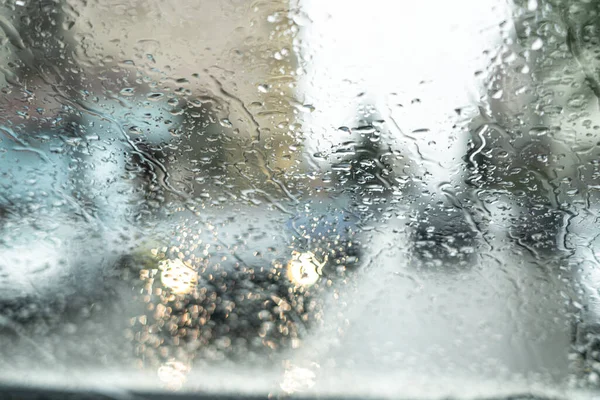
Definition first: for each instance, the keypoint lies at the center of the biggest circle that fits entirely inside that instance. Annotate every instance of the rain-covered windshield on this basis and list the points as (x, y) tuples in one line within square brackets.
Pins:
[(393, 198)]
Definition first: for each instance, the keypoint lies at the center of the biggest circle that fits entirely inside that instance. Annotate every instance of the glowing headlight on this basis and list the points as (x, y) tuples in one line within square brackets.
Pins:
[(173, 374), (177, 276), (298, 380), (304, 269)]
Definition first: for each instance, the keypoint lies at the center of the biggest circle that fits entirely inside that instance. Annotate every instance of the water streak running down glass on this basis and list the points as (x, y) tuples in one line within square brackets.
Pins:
[(392, 199)]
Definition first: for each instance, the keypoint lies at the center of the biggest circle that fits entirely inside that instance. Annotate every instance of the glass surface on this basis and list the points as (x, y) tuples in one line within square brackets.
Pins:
[(308, 197)]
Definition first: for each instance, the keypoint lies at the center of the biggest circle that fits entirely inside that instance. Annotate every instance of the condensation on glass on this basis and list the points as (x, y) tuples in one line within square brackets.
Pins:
[(390, 198)]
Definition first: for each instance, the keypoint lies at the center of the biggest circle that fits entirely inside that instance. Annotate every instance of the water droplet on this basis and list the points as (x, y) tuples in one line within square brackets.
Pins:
[(135, 130), (537, 44), (226, 123), (497, 94), (539, 131), (577, 101), (127, 91), (532, 5), (155, 96)]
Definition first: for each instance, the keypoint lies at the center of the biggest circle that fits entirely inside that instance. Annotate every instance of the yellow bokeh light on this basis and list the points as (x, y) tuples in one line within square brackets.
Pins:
[(177, 276), (304, 269)]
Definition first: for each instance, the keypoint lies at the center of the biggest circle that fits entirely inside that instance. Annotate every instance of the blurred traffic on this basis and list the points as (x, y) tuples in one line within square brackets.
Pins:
[(337, 197)]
